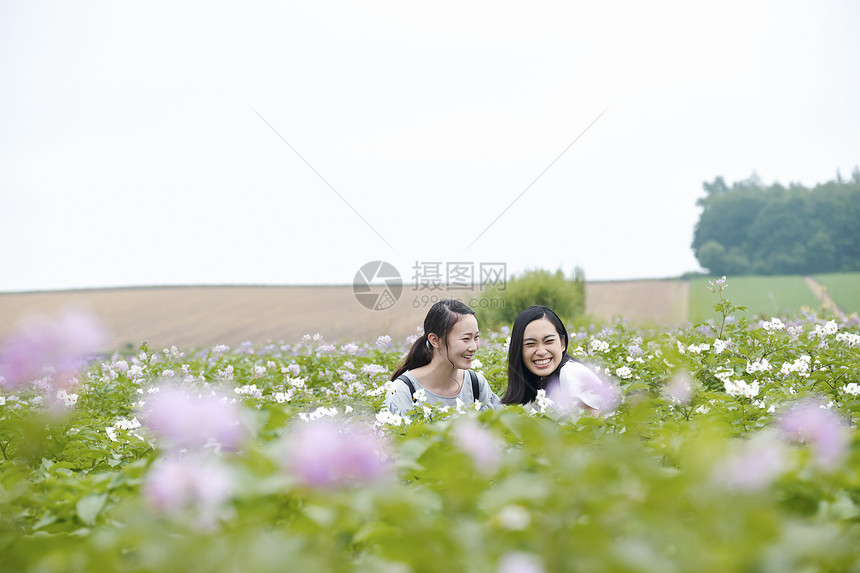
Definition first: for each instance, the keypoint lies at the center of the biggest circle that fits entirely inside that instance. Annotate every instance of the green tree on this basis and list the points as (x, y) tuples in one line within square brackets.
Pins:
[(566, 296), (752, 228)]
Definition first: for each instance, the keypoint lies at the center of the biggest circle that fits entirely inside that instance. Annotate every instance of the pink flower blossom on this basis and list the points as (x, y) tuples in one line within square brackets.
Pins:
[(321, 455), (810, 423), (198, 484), (753, 465), (481, 444), (679, 390), (61, 344), (185, 420)]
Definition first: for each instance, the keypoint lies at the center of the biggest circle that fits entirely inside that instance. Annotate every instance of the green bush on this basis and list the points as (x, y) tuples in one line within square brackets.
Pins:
[(566, 296)]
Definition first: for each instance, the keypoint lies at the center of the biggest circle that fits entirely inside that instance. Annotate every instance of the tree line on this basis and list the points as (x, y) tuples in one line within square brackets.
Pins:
[(751, 228)]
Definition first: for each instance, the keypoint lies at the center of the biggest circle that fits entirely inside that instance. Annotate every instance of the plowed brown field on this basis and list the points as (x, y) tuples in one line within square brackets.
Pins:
[(204, 316)]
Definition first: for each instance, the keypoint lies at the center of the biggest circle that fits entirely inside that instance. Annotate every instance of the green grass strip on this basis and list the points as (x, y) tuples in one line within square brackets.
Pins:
[(844, 288), (762, 296)]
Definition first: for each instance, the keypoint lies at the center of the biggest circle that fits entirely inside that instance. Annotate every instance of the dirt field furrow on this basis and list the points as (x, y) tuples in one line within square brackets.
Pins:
[(205, 316)]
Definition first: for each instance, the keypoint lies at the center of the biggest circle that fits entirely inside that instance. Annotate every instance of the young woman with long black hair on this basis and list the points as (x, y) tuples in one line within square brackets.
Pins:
[(440, 361), (538, 360)]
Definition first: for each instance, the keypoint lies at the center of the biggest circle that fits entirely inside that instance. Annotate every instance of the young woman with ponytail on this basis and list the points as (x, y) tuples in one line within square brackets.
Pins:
[(439, 362)]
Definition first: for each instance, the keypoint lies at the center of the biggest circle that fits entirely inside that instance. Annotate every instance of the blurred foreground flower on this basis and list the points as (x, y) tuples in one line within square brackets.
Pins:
[(519, 562), (61, 344), (193, 483), (679, 390), (480, 443), (753, 465), (184, 420), (812, 424), (322, 455)]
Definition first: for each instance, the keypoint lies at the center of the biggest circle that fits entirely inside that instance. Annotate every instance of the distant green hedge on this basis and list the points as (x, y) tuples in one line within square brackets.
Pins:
[(566, 296)]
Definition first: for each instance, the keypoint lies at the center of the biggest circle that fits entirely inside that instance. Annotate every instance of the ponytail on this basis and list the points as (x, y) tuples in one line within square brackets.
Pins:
[(419, 355)]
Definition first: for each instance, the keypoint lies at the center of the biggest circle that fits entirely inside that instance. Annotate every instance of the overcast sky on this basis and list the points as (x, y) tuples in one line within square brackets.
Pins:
[(168, 143)]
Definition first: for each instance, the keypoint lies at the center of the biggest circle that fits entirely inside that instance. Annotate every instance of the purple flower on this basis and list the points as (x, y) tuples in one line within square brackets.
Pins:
[(185, 420), (61, 344), (679, 390), (481, 444), (175, 484), (753, 465), (814, 425), (321, 455)]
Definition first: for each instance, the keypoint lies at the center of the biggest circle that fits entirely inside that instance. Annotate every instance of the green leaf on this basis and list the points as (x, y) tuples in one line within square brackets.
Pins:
[(88, 507)]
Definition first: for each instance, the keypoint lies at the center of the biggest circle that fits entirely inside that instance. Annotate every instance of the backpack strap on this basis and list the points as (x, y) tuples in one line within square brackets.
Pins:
[(405, 379), (476, 388)]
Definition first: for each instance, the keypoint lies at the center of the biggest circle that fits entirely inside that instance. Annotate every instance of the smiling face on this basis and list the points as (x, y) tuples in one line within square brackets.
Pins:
[(543, 347), (463, 342)]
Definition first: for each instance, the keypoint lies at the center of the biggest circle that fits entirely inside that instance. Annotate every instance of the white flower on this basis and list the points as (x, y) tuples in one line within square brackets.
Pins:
[(723, 375), (476, 363), (123, 424), (702, 410), (624, 373), (721, 345), (249, 390), (514, 517), (420, 395), (2, 401), (281, 397), (317, 414), (386, 417), (774, 325), (760, 365), (69, 400), (799, 367), (383, 388), (542, 401), (851, 339), (597, 345), (852, 388), (741, 388), (111, 433)]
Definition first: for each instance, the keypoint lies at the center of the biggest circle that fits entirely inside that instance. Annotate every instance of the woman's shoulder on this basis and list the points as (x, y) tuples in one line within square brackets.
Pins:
[(575, 368), (408, 377)]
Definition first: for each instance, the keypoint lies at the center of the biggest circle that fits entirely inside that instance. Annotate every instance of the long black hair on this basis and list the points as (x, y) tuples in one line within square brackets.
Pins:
[(522, 383), (440, 319)]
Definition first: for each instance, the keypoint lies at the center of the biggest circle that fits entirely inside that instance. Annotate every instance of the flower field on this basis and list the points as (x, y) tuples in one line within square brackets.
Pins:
[(733, 447)]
